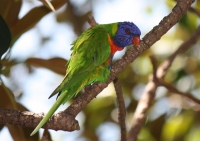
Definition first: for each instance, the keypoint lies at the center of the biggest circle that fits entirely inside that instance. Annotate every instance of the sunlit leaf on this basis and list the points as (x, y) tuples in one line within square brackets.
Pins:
[(197, 5), (189, 22), (145, 135), (177, 126), (170, 3), (193, 134)]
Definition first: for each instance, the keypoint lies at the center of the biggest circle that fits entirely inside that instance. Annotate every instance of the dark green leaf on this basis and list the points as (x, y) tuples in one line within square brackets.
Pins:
[(5, 37)]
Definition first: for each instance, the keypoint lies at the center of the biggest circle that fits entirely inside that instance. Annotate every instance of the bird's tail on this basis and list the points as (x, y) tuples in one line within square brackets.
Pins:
[(68, 90), (59, 88), (55, 106)]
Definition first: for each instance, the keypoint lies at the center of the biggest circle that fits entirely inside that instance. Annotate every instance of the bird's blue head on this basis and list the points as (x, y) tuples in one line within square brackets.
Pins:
[(128, 33)]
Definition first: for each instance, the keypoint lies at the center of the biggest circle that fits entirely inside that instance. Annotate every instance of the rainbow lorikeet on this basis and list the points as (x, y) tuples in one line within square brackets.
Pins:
[(91, 59)]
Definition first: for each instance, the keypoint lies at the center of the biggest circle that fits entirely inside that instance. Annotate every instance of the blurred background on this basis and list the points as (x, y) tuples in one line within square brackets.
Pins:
[(41, 47)]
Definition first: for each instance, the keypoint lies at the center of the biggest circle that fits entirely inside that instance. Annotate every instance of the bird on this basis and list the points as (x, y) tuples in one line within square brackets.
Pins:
[(91, 60)]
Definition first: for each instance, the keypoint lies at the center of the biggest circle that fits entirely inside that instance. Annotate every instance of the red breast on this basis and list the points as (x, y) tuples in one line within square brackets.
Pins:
[(114, 48)]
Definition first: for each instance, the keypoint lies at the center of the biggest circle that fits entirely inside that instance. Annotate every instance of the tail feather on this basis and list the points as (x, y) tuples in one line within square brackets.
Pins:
[(66, 90), (58, 89), (54, 93), (69, 81), (55, 106)]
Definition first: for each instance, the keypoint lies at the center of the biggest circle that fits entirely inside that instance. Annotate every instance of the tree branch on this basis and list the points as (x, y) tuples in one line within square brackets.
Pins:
[(121, 109), (59, 121), (91, 20)]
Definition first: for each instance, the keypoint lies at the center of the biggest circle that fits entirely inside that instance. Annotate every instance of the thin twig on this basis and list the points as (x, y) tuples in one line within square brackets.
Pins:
[(154, 65), (91, 20), (174, 90), (163, 68), (121, 109), (197, 12)]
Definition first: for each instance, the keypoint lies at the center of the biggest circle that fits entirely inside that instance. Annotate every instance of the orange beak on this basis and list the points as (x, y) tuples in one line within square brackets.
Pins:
[(136, 40)]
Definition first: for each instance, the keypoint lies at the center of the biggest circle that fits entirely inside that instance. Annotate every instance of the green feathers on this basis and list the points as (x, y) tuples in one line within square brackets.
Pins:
[(89, 63), (90, 51), (91, 59)]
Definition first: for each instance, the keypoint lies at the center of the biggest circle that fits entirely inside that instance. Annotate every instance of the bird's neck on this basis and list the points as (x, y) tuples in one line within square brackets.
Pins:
[(113, 47)]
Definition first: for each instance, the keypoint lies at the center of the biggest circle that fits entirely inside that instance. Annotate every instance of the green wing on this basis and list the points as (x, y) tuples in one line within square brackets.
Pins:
[(90, 50), (87, 64)]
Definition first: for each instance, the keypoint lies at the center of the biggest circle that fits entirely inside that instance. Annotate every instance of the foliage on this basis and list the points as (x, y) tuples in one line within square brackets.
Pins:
[(171, 117)]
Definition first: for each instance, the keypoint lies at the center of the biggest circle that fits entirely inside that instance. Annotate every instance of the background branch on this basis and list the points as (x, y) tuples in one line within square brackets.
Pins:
[(163, 68), (121, 109), (174, 90), (197, 12), (91, 20), (157, 80), (144, 104)]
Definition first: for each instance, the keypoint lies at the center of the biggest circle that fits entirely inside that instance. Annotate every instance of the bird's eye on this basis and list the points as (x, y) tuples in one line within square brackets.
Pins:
[(127, 31)]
